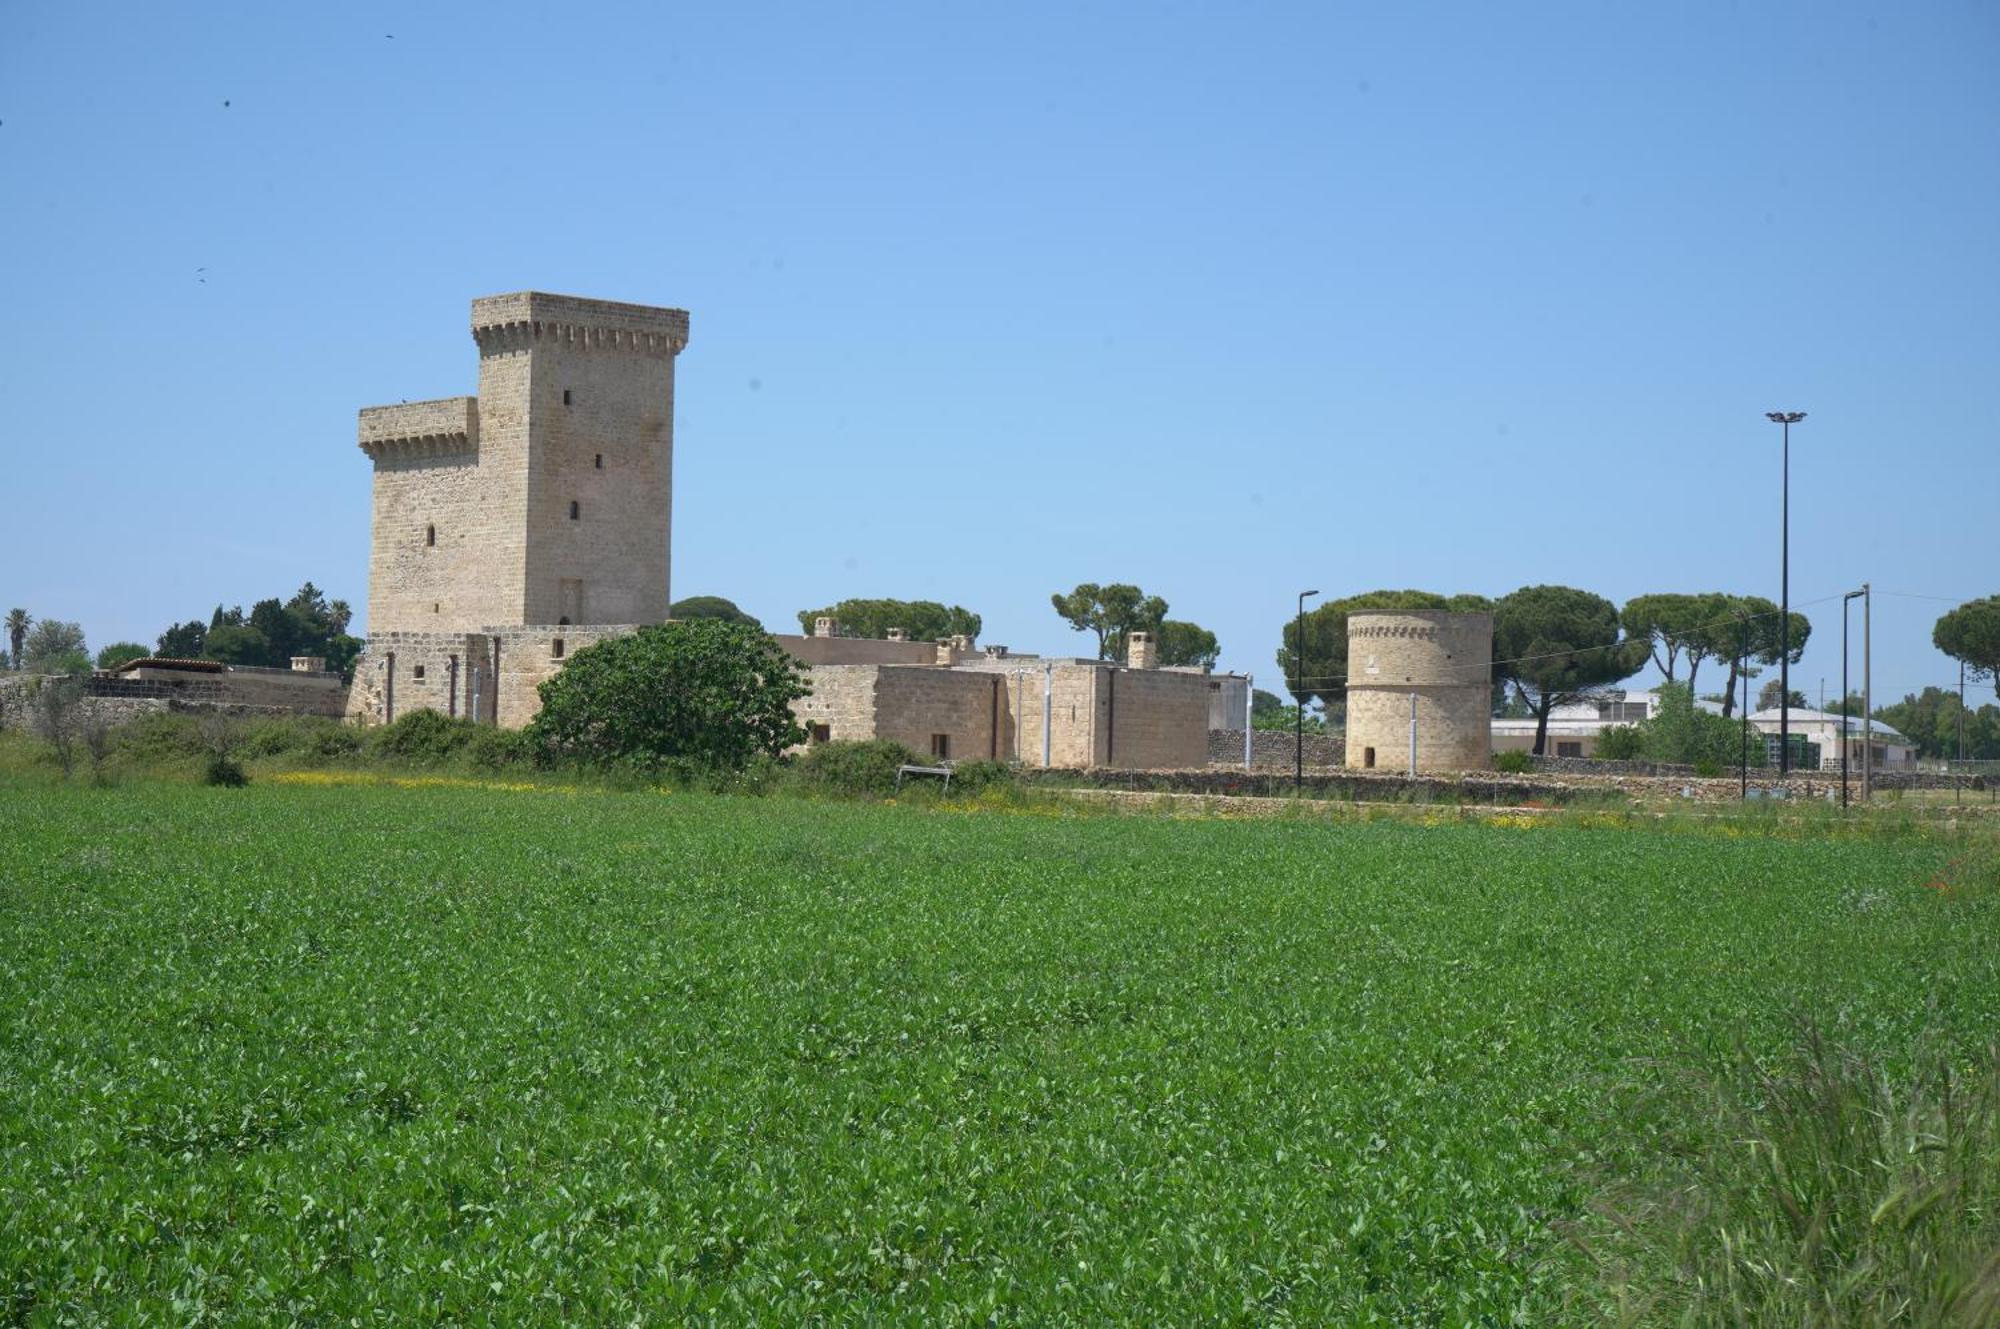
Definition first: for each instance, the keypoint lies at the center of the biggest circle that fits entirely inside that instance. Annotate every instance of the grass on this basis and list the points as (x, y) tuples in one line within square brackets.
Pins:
[(457, 1050)]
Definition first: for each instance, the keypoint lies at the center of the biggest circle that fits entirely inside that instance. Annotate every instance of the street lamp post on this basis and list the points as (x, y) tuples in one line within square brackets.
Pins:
[(1845, 741), (1299, 696), (1785, 419)]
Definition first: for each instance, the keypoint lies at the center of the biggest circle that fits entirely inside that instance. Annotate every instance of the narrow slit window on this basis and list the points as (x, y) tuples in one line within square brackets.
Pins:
[(565, 396), (556, 649), (575, 510), (417, 673), (430, 536), (941, 746), (1368, 758), (598, 461)]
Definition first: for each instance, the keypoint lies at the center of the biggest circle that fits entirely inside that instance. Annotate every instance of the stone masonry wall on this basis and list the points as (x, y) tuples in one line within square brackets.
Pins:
[(1445, 659), (1272, 749), (916, 705)]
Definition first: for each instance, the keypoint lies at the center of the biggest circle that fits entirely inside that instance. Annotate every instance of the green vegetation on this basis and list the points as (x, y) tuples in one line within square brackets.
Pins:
[(710, 606), (1681, 733), (328, 1052), (1971, 633), (270, 634), (1112, 611), (1556, 644), (1514, 762), (119, 652), (1322, 676), (920, 620), (706, 693)]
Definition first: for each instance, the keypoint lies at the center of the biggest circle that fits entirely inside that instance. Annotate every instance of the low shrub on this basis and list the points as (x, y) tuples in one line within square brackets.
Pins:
[(225, 771), (864, 769), (972, 777), (424, 737), (304, 735), (493, 748), (160, 738), (1624, 742), (1514, 762)]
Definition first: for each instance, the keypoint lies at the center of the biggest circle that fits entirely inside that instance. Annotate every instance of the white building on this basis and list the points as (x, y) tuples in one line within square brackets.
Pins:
[(1822, 729), (1574, 729)]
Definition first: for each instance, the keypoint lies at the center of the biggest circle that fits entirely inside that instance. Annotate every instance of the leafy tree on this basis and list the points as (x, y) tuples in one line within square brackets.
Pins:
[(1286, 719), (1930, 720), (1971, 633), (118, 652), (184, 641), (1323, 676), (1187, 644), (1680, 732), (1110, 611), (704, 692), (1557, 645), (54, 647), (1675, 628), (1755, 620), (1767, 697), (18, 622), (712, 606), (920, 620), (1851, 706), (237, 644), (1264, 704)]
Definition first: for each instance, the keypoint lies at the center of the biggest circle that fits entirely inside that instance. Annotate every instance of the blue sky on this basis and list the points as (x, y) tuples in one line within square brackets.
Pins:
[(1229, 301)]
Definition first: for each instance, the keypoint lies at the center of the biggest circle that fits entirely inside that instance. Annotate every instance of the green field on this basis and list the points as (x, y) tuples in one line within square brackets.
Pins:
[(333, 1053)]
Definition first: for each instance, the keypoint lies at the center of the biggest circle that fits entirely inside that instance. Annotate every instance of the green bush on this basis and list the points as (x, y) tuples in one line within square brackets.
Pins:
[(706, 693), (971, 777), (224, 771), (864, 769), (161, 738), (424, 737), (495, 749), (1625, 742), (1514, 762)]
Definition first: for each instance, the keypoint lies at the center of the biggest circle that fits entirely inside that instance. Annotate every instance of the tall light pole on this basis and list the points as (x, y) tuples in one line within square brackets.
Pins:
[(1785, 419), (1299, 696), (1845, 741)]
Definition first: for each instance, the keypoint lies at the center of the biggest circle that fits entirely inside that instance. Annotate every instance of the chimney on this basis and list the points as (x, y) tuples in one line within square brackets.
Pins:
[(826, 627), (996, 652), (308, 664), (897, 634), (1141, 651)]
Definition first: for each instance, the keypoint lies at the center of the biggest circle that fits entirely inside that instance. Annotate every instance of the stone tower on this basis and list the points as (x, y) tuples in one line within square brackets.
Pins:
[(546, 499), (1446, 662)]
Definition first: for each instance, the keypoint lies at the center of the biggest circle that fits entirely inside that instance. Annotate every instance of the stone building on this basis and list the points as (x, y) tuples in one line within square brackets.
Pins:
[(954, 701), (1438, 663), (512, 527)]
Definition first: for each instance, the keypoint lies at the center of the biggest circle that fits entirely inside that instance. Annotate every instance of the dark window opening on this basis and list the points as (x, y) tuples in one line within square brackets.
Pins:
[(418, 672), (436, 608), (563, 621), (820, 733), (1368, 758), (430, 536), (575, 510), (1569, 749), (598, 461), (565, 396), (556, 649), (941, 746)]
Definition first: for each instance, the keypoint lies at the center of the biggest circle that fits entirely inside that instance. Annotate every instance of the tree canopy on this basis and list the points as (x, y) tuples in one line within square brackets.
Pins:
[(920, 620), (711, 606), (1677, 629), (1322, 675), (1931, 720), (1187, 644), (1110, 611), (1971, 633), (270, 634), (53, 646), (705, 692), (119, 652), (17, 623), (1557, 645), (1752, 622)]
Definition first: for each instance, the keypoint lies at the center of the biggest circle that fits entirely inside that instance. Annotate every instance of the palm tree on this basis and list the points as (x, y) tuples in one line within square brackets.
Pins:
[(18, 621)]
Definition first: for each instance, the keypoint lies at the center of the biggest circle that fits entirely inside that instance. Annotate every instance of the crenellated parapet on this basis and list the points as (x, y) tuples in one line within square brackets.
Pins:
[(518, 322), (414, 429)]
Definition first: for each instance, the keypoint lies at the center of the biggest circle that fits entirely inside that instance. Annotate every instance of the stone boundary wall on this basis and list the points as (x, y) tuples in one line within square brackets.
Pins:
[(263, 692), (1352, 786), (1272, 748), (1608, 766)]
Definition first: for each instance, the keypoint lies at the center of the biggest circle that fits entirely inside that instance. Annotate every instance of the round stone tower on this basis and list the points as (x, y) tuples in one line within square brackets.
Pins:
[(1446, 662)]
